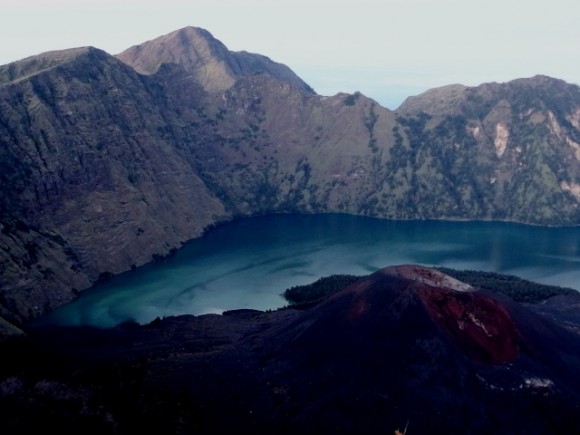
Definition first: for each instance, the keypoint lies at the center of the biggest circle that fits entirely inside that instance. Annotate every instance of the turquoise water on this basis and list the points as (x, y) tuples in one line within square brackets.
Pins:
[(249, 263)]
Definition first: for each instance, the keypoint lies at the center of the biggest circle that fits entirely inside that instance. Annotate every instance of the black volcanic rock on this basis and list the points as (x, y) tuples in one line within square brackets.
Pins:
[(405, 346), (395, 348)]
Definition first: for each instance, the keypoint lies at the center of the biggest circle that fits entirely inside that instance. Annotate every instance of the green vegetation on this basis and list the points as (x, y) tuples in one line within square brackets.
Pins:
[(308, 295), (350, 100), (520, 290), (370, 122)]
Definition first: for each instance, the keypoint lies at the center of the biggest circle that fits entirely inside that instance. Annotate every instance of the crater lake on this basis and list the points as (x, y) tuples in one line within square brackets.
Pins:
[(249, 263)]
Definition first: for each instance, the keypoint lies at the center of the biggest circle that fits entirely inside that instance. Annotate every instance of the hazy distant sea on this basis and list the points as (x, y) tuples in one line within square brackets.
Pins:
[(249, 263)]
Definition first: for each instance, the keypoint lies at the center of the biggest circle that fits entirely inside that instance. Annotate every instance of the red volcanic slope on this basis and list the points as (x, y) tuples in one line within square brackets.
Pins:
[(477, 323), (407, 344), (411, 343)]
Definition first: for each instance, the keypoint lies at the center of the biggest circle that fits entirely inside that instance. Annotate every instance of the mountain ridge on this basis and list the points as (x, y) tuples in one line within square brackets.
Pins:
[(210, 62), (37, 64), (104, 168)]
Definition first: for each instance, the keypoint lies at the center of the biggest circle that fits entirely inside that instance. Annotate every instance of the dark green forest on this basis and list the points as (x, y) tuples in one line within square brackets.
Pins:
[(518, 289)]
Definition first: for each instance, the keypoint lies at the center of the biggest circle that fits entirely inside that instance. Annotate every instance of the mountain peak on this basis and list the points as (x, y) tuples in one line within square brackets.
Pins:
[(540, 80), (451, 99), (205, 59), (477, 324), (428, 276), (437, 100), (189, 47)]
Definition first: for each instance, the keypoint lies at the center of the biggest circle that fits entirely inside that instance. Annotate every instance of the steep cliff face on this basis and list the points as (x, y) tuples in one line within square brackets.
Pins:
[(506, 152), (511, 151), (108, 162), (301, 152), (91, 166)]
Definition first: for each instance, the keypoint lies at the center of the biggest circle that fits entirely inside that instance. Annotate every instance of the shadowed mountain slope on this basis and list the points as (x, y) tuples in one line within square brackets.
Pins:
[(404, 345), (92, 180), (396, 347)]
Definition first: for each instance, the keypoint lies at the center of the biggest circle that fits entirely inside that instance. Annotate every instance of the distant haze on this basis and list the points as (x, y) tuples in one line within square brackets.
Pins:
[(387, 50)]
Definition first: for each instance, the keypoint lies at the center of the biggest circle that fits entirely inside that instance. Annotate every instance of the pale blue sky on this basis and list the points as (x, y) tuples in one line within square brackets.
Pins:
[(386, 49)]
